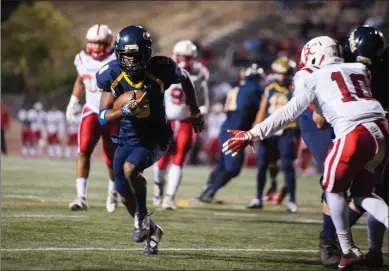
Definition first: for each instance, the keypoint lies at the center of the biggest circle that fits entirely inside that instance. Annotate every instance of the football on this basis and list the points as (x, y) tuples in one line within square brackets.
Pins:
[(139, 96)]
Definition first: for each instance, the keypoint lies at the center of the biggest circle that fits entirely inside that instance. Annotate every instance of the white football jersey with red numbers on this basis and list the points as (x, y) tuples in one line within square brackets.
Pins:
[(342, 94), (87, 67), (175, 99), (36, 118), (55, 121)]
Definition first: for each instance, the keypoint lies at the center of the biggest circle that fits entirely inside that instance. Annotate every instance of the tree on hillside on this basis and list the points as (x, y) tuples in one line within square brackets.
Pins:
[(37, 47)]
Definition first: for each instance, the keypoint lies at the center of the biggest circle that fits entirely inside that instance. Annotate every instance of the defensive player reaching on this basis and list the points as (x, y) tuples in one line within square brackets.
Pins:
[(365, 45), (342, 97), (241, 107), (145, 132), (98, 51), (178, 113), (277, 93)]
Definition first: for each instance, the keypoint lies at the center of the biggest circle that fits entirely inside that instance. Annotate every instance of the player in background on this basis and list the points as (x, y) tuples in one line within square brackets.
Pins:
[(277, 93), (37, 118), (365, 45), (71, 150), (241, 107), (358, 156), (145, 132), (97, 52), (26, 134), (178, 113), (55, 125), (215, 121)]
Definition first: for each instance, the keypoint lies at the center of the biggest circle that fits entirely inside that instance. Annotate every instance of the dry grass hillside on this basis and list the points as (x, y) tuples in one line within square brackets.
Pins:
[(169, 21)]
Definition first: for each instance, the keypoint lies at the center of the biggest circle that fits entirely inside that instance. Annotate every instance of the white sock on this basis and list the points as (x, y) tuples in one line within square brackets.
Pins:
[(111, 186), (375, 232), (32, 151), (81, 187), (68, 152), (340, 217), (159, 175), (24, 151), (58, 151), (174, 180), (50, 150), (375, 206)]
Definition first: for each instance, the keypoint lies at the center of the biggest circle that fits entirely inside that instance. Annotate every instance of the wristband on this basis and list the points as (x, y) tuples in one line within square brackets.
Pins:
[(102, 119), (74, 99)]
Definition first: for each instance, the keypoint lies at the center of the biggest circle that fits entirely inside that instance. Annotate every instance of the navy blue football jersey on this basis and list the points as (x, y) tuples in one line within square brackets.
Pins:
[(277, 96), (160, 73), (241, 106)]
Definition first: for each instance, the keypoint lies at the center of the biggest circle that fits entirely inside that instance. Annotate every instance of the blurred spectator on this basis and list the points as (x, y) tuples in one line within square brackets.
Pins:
[(219, 91), (5, 124)]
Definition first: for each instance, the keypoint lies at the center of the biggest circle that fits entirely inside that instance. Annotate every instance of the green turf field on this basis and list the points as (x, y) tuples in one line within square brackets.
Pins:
[(40, 232)]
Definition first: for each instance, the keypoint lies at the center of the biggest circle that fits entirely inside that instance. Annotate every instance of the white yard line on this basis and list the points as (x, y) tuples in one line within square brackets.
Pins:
[(58, 249), (161, 249), (47, 216)]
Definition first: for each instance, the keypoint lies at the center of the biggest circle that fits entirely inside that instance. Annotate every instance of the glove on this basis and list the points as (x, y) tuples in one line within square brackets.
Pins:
[(237, 143), (131, 108), (71, 108), (198, 123)]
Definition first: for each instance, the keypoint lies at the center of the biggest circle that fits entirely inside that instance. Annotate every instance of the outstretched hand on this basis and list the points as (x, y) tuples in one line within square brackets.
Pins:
[(237, 143)]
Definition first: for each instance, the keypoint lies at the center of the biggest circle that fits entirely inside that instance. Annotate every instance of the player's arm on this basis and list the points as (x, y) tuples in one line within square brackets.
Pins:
[(261, 114), (189, 90), (283, 116), (204, 108), (77, 93), (107, 114), (269, 126)]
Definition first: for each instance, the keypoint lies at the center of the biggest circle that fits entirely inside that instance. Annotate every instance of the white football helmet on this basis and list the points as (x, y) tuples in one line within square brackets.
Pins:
[(101, 35), (38, 106), (319, 50), (184, 52)]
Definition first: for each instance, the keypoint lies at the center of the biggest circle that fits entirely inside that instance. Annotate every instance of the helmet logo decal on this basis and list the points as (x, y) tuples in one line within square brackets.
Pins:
[(351, 40), (146, 35), (131, 47), (117, 38), (308, 50)]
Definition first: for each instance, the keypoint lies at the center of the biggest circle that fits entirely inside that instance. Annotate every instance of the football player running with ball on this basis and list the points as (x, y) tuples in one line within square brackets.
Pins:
[(342, 97), (145, 133), (98, 51)]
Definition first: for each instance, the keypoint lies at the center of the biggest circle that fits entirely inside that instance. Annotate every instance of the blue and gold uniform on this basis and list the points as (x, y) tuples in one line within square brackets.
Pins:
[(241, 107), (142, 139), (277, 95)]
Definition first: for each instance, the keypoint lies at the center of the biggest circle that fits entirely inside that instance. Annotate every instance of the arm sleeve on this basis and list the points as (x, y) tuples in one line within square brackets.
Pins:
[(204, 107), (283, 116)]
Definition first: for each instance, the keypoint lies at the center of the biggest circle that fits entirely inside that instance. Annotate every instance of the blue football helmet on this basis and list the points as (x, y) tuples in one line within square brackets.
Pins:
[(133, 49), (365, 44)]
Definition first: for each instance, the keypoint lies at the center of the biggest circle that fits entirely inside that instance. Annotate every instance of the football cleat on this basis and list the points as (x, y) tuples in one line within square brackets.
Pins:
[(79, 204), (168, 203), (207, 196), (279, 197), (353, 257), (329, 252), (141, 227), (291, 207), (153, 240), (157, 196), (374, 257), (255, 204), (112, 201)]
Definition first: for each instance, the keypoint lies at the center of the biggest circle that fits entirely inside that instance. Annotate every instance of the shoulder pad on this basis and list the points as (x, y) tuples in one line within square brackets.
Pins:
[(161, 60)]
